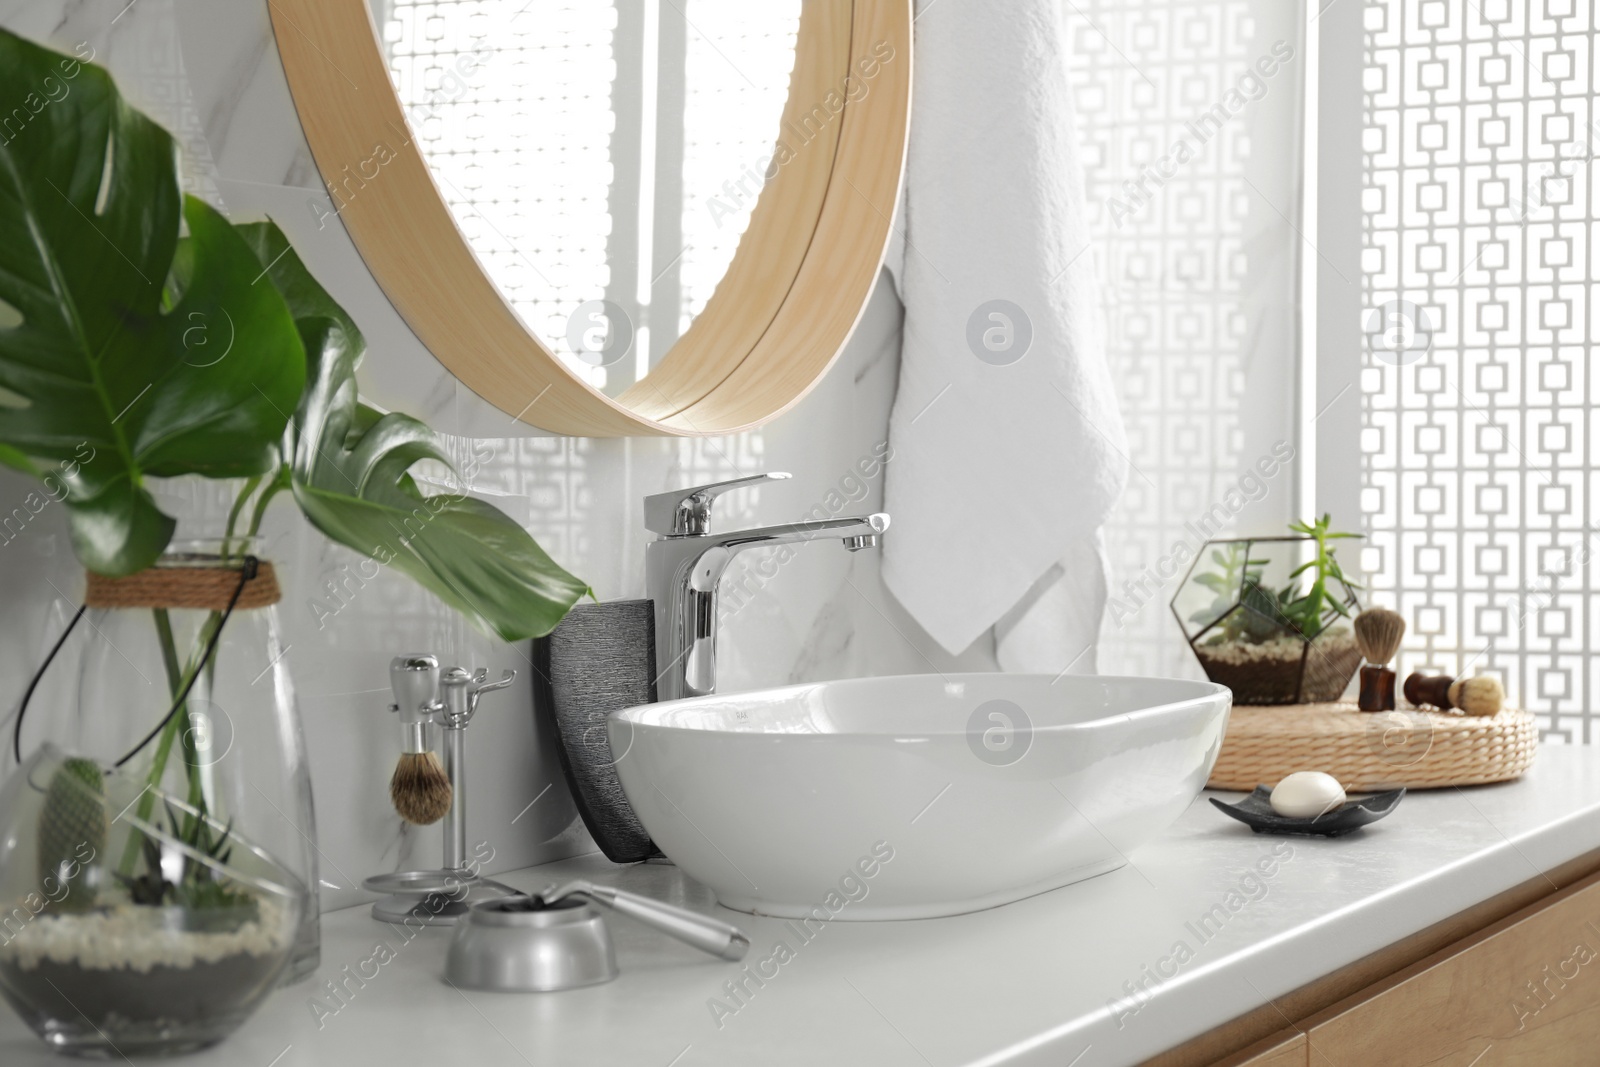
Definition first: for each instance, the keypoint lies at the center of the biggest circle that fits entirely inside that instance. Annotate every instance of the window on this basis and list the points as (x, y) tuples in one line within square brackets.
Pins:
[(1442, 404), (1472, 384)]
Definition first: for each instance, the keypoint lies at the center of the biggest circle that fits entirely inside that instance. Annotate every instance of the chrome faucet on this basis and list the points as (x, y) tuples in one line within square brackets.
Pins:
[(684, 566)]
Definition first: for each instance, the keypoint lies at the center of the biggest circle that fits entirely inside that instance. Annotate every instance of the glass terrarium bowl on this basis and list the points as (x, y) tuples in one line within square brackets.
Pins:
[(129, 928), (1266, 625)]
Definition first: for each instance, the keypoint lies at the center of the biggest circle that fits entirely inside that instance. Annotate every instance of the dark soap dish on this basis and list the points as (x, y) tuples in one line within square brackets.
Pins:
[(1255, 811)]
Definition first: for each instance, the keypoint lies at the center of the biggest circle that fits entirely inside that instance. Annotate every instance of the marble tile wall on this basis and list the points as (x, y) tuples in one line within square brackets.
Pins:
[(209, 70)]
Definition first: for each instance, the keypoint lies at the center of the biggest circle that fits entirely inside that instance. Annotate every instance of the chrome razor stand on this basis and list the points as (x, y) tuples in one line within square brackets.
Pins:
[(447, 700)]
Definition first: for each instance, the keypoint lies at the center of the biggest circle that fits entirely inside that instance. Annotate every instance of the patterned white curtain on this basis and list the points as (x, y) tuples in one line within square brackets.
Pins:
[(1191, 116)]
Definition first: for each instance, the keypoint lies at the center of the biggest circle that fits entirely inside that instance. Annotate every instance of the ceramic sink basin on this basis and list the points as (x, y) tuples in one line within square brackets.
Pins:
[(917, 796)]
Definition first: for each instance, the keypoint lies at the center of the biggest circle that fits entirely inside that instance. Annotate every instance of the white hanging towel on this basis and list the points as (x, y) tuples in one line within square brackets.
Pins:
[(1008, 446)]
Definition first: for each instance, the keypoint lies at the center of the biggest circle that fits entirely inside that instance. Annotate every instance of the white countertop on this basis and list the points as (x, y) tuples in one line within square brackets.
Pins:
[(1028, 983)]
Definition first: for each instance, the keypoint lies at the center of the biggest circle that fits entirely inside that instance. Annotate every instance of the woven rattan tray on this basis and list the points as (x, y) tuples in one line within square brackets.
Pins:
[(1369, 751)]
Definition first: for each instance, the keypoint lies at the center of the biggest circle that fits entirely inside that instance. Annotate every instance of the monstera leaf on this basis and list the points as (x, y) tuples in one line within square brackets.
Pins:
[(125, 353), (350, 475)]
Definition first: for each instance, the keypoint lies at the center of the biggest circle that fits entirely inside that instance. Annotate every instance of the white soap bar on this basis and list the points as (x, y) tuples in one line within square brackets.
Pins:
[(1306, 794)]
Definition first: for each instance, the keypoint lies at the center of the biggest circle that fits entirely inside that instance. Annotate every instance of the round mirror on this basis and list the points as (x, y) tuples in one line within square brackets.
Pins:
[(613, 217), (602, 159)]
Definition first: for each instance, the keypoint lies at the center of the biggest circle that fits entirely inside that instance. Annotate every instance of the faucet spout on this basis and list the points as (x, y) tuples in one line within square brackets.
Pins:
[(683, 572), (716, 552), (789, 533)]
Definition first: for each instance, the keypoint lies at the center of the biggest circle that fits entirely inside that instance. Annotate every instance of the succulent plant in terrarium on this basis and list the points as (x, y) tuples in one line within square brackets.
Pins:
[(1268, 616), (182, 864), (73, 829), (171, 876)]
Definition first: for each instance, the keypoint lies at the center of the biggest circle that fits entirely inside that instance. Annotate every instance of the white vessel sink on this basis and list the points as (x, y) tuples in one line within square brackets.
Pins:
[(917, 796)]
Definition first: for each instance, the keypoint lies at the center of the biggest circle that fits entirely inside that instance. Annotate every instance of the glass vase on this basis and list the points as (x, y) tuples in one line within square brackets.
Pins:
[(234, 749), (124, 935)]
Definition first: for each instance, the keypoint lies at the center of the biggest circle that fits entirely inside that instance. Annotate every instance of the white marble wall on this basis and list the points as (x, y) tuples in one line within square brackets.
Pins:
[(210, 71)]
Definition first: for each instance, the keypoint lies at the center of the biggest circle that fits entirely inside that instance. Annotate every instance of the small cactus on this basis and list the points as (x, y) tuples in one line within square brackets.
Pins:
[(72, 832)]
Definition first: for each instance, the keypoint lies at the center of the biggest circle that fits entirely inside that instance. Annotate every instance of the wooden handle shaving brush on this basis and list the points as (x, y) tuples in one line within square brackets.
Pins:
[(1379, 632), (420, 789), (1429, 690), (1481, 695)]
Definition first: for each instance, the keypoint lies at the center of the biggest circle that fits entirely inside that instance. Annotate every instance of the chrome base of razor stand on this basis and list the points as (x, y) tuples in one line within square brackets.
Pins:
[(448, 701), (432, 898)]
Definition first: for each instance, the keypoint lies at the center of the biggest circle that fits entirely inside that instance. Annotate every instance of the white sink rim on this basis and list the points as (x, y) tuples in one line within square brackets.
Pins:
[(648, 715), (716, 793)]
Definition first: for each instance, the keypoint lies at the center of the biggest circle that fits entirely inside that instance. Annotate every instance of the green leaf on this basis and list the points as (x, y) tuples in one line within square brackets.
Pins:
[(350, 467), (131, 354), (10, 457)]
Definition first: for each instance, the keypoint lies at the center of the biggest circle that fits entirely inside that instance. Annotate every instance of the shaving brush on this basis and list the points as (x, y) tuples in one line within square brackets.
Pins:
[(1430, 690), (1481, 695), (1379, 632), (420, 789)]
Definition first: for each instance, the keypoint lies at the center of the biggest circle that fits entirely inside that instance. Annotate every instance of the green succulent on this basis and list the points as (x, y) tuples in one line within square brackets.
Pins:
[(198, 887), (1264, 612), (1317, 609)]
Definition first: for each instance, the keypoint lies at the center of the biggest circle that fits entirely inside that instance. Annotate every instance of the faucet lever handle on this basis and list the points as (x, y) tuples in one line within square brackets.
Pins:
[(687, 512)]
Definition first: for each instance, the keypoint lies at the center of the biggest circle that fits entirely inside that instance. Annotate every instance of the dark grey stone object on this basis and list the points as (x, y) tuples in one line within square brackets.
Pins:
[(601, 658)]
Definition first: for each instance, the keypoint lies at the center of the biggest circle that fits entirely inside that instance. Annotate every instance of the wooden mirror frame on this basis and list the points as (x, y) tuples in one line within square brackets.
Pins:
[(778, 319)]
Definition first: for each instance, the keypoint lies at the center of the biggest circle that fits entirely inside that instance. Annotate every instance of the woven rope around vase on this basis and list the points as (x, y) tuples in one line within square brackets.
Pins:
[(205, 588), (1366, 751)]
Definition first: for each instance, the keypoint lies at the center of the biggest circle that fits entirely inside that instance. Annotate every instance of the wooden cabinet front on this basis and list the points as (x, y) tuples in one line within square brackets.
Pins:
[(1284, 1050), (1528, 989)]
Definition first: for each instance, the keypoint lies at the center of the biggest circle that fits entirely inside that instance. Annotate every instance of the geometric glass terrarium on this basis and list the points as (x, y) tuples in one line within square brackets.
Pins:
[(1269, 617)]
